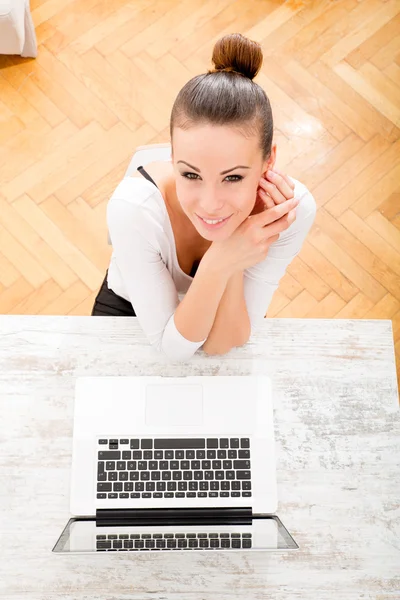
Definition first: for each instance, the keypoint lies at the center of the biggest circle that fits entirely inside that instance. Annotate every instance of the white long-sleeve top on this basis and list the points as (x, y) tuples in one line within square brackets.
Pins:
[(144, 267)]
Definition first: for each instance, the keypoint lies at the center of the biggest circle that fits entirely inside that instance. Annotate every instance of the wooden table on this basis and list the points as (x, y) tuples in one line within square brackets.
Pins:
[(338, 451)]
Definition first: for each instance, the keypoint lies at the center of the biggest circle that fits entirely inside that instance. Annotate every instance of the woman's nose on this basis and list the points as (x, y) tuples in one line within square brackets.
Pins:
[(211, 204)]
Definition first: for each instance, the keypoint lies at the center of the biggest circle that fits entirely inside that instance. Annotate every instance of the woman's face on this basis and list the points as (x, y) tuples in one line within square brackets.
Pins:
[(217, 171)]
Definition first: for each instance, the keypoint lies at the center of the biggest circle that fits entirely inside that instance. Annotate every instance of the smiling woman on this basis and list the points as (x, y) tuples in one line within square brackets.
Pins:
[(200, 242)]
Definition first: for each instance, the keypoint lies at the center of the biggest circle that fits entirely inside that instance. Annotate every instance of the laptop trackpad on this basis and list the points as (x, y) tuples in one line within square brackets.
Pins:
[(176, 405)]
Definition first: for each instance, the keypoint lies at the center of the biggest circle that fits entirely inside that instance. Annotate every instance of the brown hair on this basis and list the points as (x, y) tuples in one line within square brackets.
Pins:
[(227, 94)]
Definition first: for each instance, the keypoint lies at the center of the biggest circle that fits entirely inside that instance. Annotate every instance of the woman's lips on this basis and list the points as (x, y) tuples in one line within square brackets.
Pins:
[(215, 225)]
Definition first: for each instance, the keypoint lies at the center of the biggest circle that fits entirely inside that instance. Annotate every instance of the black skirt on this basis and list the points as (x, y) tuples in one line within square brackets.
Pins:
[(109, 304)]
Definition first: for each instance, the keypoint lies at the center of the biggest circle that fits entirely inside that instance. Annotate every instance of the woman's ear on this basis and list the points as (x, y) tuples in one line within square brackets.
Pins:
[(270, 162)]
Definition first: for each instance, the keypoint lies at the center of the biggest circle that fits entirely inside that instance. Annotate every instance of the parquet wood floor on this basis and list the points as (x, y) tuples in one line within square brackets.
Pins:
[(104, 81)]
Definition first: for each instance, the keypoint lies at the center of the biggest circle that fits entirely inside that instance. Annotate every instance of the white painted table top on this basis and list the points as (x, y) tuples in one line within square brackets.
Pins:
[(338, 452)]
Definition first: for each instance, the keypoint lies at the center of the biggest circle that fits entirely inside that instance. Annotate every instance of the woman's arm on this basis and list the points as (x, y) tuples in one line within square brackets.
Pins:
[(231, 327)]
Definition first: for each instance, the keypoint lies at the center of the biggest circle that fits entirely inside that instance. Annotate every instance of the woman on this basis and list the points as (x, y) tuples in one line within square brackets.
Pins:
[(200, 242)]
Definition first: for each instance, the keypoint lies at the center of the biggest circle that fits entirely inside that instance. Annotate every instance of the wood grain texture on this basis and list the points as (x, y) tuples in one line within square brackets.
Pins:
[(337, 431)]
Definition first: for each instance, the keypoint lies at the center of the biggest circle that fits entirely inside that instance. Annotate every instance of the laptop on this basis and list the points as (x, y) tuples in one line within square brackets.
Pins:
[(173, 463)]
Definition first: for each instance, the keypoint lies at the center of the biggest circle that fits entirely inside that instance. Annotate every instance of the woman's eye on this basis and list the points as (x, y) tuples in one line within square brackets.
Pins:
[(234, 178), (190, 175)]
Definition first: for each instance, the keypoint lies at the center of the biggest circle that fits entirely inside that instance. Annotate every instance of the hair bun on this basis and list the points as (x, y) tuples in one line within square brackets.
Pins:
[(236, 53)]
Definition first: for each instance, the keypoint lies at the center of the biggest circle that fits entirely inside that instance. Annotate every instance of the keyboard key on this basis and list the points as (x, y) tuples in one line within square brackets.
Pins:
[(137, 455), (224, 494), (169, 454), (193, 543), (155, 475), (150, 486), (110, 465), (139, 486), (171, 543), (246, 485), (229, 474), (104, 487), (121, 465), (241, 464), (134, 444), (187, 475), (190, 494), (193, 486), (234, 442), (147, 454), (212, 443), (142, 465), (179, 454), (166, 475), (150, 543), (109, 455), (128, 544), (179, 494), (246, 494), (103, 441), (146, 444), (244, 442), (153, 465), (203, 543), (206, 464), (131, 465), (182, 486), (202, 494), (232, 454), (124, 441), (117, 487), (244, 454), (179, 443), (243, 475), (124, 495), (214, 543), (246, 543), (203, 486), (168, 495), (158, 454), (198, 475), (101, 496), (224, 443), (201, 535), (128, 486), (164, 465), (225, 485), (225, 543), (171, 486), (200, 454), (112, 496), (103, 544), (146, 495), (174, 465), (135, 495), (214, 485), (134, 475), (144, 475), (112, 476), (161, 543), (208, 475), (235, 494), (182, 543), (190, 454), (102, 477), (126, 455), (221, 454), (139, 543), (216, 464), (161, 486), (195, 464), (211, 454), (235, 485), (185, 465), (236, 543), (213, 494)]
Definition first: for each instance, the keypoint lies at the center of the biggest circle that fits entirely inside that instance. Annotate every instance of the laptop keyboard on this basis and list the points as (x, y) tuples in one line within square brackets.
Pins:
[(173, 468), (170, 541)]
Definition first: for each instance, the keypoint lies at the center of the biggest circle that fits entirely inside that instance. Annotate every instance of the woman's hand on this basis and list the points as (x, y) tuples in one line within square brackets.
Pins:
[(250, 242)]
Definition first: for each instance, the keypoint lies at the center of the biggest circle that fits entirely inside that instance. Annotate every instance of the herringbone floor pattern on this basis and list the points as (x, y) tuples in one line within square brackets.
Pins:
[(104, 82)]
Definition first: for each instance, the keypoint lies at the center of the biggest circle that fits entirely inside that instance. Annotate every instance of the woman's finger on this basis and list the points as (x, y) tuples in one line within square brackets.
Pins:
[(280, 225), (265, 198), (280, 183), (272, 191), (273, 214), (285, 177)]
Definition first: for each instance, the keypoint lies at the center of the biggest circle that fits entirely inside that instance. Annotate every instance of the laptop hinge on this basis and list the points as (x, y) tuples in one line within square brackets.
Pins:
[(174, 516)]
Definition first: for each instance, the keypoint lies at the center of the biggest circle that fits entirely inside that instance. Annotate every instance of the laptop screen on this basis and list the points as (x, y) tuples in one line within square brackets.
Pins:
[(87, 535)]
